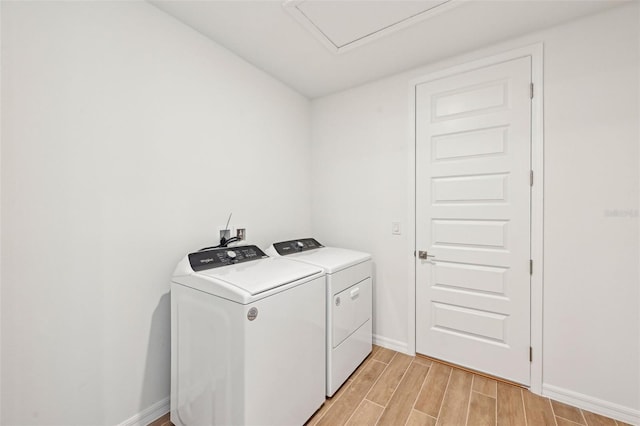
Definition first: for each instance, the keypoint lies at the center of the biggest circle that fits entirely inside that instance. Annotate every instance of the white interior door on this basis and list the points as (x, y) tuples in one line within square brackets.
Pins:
[(473, 198)]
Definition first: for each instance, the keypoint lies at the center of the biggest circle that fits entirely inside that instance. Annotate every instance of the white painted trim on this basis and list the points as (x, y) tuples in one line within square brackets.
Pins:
[(291, 6), (537, 195), (589, 403), (411, 222), (537, 216), (1, 345), (148, 415), (394, 345)]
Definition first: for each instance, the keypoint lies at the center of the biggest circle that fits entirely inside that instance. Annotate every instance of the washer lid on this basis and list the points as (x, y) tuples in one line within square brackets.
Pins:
[(260, 275)]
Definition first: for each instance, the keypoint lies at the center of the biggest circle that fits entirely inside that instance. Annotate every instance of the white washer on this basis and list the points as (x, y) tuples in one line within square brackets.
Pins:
[(247, 339), (349, 298)]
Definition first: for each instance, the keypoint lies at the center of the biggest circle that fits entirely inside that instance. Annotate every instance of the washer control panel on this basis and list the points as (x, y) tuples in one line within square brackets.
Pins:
[(296, 246), (223, 256)]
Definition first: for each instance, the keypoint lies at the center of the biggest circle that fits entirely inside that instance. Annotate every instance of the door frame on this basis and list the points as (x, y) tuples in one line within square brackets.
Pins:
[(535, 51)]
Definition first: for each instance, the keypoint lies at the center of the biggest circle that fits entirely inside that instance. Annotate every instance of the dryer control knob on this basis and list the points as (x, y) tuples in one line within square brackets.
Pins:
[(231, 254), (299, 244)]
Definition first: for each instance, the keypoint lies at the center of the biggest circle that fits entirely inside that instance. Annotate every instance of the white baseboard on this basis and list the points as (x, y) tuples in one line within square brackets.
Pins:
[(148, 415), (595, 405), (162, 407), (395, 345)]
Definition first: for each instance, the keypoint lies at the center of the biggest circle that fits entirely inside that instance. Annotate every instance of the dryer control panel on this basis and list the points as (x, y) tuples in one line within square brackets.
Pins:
[(215, 258), (296, 246)]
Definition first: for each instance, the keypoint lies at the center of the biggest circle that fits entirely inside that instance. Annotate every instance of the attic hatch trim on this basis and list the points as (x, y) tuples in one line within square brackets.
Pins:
[(292, 7)]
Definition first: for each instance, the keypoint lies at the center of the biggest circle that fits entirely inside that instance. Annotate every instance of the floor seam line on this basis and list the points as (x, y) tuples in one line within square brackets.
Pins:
[(419, 390), (466, 420), (569, 420), (485, 394), (444, 394)]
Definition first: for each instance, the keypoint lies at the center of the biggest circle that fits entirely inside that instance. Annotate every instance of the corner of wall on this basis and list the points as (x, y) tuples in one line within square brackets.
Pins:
[(394, 345), (148, 415)]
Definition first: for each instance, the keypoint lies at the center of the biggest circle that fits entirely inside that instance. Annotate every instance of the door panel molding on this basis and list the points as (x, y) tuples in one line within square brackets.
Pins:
[(493, 143)]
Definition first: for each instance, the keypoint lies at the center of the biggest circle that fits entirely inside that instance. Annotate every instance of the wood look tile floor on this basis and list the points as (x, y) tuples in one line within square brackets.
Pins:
[(391, 388)]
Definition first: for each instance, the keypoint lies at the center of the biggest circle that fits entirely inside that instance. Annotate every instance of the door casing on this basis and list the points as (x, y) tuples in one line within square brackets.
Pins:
[(537, 159)]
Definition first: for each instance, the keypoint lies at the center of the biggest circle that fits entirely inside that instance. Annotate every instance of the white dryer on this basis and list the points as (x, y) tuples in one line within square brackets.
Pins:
[(349, 303), (247, 339)]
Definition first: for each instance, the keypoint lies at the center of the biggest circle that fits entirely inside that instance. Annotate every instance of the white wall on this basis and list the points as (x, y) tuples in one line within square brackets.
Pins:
[(127, 139), (591, 282), (360, 169), (359, 186)]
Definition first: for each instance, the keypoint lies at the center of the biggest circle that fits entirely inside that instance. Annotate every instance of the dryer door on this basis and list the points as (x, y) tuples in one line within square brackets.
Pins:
[(350, 309)]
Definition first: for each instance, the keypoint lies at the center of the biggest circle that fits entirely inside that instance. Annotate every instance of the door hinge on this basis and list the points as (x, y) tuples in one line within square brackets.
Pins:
[(531, 178), (530, 354), (530, 266), (531, 91)]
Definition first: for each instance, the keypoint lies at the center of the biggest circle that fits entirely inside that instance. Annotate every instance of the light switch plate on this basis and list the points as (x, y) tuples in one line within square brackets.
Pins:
[(395, 228)]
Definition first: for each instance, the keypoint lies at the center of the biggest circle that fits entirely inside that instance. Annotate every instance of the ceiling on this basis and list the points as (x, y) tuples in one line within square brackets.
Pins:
[(269, 36)]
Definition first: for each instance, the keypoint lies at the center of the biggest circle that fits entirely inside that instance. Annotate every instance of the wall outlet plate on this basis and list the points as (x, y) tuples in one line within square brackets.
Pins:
[(226, 233)]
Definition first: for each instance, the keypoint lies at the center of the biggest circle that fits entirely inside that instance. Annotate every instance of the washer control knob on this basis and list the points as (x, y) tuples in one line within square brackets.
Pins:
[(231, 254), (299, 244)]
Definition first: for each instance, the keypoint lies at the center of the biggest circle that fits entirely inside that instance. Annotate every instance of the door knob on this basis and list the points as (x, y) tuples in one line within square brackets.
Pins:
[(424, 255)]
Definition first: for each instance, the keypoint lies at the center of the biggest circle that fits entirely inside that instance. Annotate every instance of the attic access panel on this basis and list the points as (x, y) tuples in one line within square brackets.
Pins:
[(344, 24)]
